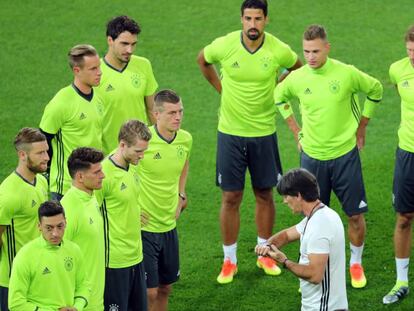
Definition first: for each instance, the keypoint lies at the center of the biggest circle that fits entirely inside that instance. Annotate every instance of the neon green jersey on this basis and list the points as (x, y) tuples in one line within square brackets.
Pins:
[(19, 202), (85, 228), (123, 96), (248, 80), (329, 106), (402, 74), (75, 122), (159, 175), (47, 277), (118, 199)]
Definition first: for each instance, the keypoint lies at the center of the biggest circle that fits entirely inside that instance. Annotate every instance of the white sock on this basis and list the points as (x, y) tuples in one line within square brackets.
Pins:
[(261, 241), (230, 252), (402, 268), (356, 254)]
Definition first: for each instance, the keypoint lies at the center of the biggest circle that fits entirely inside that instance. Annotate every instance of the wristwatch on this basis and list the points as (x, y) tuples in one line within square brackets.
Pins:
[(182, 196)]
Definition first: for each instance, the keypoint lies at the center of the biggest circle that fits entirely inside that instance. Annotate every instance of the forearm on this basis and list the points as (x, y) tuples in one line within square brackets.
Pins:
[(209, 72), (304, 272)]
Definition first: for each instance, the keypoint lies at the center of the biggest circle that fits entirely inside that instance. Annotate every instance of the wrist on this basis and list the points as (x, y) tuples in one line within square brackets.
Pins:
[(284, 262), (182, 196)]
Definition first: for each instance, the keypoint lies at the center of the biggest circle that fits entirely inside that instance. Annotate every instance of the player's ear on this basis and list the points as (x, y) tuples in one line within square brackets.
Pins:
[(109, 40), (76, 69)]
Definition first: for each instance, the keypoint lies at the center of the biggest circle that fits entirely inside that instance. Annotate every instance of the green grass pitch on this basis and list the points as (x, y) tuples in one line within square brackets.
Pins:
[(35, 37)]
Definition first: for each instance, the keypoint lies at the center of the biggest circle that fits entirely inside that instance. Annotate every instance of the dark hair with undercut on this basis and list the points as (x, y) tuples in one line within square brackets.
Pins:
[(409, 35), (119, 24), (82, 158), (254, 4), (165, 96), (27, 136), (297, 181), (315, 32), (76, 55), (50, 209), (133, 130)]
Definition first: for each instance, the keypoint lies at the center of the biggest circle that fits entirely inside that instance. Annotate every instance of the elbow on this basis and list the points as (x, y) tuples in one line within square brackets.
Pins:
[(315, 279)]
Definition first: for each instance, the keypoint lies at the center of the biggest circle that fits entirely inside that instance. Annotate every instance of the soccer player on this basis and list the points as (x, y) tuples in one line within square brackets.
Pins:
[(128, 83), (48, 273), (21, 193), (84, 221), (125, 286), (250, 60), (71, 119), (163, 175), (402, 75), (333, 131), (321, 266)]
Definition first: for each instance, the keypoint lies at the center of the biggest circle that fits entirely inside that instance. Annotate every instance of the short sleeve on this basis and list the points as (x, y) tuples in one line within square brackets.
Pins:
[(152, 84), (285, 56), (7, 208), (215, 51), (53, 116)]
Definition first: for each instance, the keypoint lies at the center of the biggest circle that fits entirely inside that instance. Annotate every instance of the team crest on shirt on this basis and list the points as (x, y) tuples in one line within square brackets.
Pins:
[(180, 152), (265, 63), (334, 86), (136, 80), (68, 263), (113, 307), (100, 108)]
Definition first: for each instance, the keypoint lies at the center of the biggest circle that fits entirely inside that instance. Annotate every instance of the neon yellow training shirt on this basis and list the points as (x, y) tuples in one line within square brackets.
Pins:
[(402, 75), (248, 80), (329, 105)]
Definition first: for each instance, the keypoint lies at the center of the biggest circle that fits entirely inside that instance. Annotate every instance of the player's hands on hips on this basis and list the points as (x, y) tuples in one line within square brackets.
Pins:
[(144, 219), (182, 204)]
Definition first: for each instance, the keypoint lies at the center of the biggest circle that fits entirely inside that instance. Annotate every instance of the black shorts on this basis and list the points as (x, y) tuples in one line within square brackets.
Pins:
[(403, 188), (343, 175), (161, 257), (125, 288), (56, 196), (235, 154), (4, 292)]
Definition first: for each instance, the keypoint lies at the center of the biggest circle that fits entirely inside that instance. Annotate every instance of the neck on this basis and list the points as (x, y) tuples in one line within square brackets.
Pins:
[(27, 174), (113, 61), (84, 88), (165, 133), (311, 207), (119, 159), (252, 45), (81, 187)]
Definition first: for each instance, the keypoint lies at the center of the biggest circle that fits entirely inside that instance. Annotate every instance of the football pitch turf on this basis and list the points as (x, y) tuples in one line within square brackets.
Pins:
[(35, 37)]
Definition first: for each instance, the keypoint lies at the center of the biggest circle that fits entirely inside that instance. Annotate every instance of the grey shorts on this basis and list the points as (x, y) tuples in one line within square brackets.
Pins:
[(125, 288), (161, 257), (343, 176), (235, 154), (403, 188)]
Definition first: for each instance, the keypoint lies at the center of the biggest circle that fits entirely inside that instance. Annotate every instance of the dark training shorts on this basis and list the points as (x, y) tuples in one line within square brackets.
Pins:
[(235, 154), (125, 288), (161, 257), (403, 188), (343, 175), (4, 292)]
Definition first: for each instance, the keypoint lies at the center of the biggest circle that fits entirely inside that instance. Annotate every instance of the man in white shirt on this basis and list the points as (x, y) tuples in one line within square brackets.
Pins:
[(321, 266)]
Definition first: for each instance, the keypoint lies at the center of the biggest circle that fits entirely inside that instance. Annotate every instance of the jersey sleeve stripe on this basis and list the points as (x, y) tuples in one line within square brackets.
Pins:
[(374, 100), (325, 289), (60, 162), (104, 213)]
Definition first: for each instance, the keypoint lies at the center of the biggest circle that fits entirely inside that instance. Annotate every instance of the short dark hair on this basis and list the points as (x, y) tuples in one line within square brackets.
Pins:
[(82, 158), (26, 136), (315, 32), (49, 209), (254, 4), (297, 181), (409, 35), (165, 96), (119, 24), (76, 55), (132, 130)]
